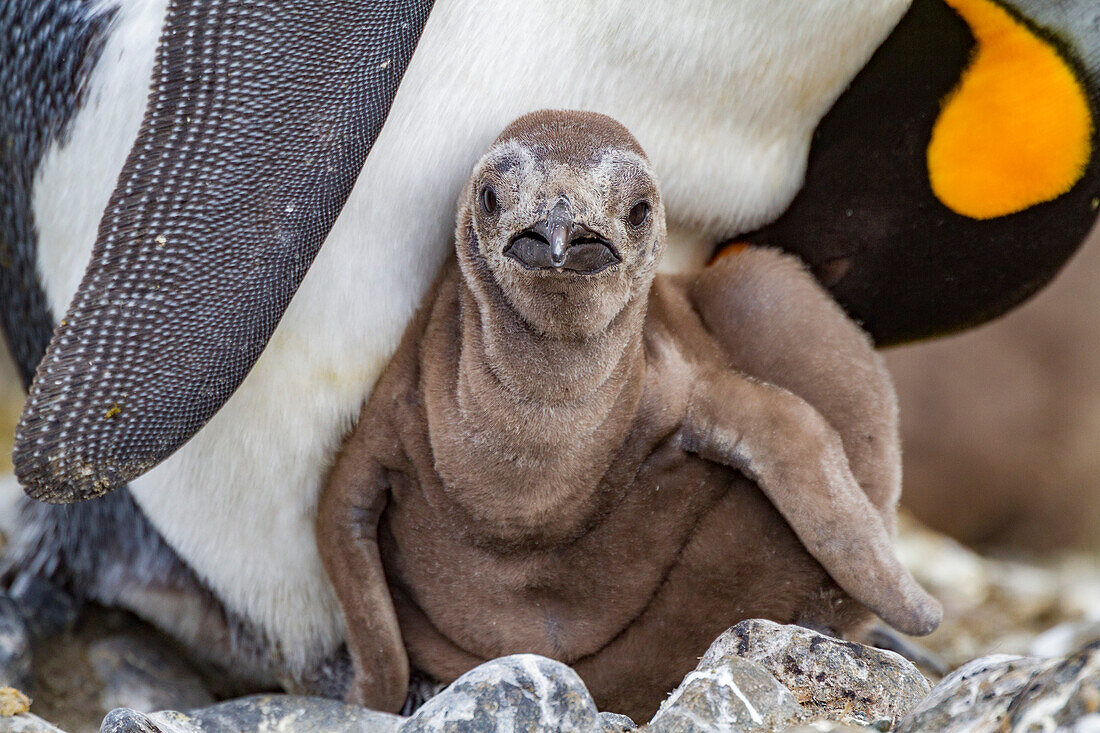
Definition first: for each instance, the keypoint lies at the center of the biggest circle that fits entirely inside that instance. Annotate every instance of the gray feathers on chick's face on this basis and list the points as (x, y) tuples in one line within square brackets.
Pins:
[(566, 227)]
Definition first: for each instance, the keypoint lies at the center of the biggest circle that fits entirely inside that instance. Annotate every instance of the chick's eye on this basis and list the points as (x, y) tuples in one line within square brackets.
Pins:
[(489, 199), (638, 214)]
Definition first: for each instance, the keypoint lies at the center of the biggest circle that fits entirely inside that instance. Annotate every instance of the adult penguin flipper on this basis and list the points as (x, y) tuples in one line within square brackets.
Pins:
[(960, 170), (259, 120)]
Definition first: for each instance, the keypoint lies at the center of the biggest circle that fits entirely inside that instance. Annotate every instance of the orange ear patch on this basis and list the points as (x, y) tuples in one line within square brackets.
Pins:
[(733, 248), (1017, 130)]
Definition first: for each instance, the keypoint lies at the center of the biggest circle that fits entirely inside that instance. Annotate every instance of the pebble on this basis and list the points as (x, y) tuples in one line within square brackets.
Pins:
[(1063, 696), (526, 692), (758, 676), (615, 723), (1022, 693), (257, 713), (828, 726), (727, 692), (27, 723), (520, 692), (1061, 640), (835, 679), (145, 674), (47, 609)]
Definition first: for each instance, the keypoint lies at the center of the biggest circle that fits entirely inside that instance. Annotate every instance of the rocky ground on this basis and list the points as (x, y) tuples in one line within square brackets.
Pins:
[(1020, 636), (1020, 647)]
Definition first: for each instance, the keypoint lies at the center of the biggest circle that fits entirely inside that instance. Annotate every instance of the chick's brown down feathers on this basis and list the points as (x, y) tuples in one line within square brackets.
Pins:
[(571, 456)]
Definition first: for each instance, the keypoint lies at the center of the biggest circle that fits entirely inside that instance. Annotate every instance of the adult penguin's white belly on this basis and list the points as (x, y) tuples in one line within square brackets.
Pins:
[(724, 94)]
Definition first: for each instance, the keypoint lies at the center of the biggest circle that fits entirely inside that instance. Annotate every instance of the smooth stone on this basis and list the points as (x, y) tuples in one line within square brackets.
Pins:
[(828, 726), (523, 692), (145, 674), (15, 646), (27, 723), (727, 692), (124, 720), (1063, 639), (831, 678), (975, 697), (616, 723), (1064, 696), (257, 713), (46, 609), (1017, 694)]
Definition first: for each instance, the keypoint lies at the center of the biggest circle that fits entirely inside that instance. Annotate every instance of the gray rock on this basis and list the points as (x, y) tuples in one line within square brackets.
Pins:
[(15, 646), (616, 723), (520, 692), (125, 720), (1064, 696), (828, 726), (833, 679), (257, 713), (143, 673), (1015, 694), (27, 723), (1063, 639), (975, 697), (727, 692), (47, 609)]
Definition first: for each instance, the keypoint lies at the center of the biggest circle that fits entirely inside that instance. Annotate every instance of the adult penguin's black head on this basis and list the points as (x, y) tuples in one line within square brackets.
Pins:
[(959, 172)]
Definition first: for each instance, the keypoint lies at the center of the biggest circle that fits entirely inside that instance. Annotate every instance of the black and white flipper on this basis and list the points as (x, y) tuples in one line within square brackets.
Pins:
[(259, 119)]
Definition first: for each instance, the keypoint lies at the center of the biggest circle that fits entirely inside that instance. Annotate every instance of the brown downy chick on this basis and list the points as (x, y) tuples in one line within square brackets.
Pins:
[(569, 457)]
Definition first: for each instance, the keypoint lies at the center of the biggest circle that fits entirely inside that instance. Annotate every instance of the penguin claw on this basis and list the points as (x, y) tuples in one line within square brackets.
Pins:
[(421, 689), (881, 636)]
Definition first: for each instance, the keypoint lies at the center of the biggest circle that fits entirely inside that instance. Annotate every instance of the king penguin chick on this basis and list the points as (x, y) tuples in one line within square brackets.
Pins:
[(571, 457)]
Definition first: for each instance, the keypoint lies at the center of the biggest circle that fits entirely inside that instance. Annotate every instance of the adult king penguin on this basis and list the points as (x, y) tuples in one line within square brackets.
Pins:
[(171, 169)]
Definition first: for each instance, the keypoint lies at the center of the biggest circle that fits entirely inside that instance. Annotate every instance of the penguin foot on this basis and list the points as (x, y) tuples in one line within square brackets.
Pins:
[(421, 689), (331, 678), (881, 636)]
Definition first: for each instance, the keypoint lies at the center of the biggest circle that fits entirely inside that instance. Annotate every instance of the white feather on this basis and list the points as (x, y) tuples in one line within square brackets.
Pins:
[(723, 95)]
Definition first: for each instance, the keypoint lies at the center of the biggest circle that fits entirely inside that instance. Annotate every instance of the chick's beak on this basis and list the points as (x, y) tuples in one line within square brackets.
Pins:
[(559, 243)]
